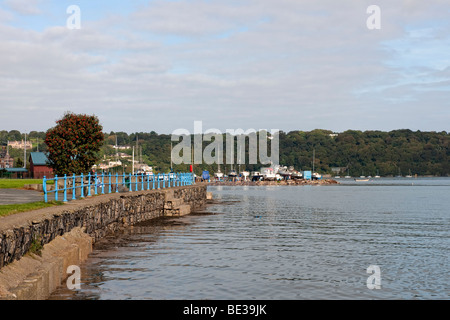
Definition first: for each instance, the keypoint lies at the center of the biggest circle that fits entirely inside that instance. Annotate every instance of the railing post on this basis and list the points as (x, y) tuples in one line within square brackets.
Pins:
[(65, 188), (153, 181), (44, 187), (103, 182), (109, 182), (136, 181), (158, 182), (131, 185), (95, 183), (74, 182), (89, 184), (82, 186), (56, 187), (117, 182)]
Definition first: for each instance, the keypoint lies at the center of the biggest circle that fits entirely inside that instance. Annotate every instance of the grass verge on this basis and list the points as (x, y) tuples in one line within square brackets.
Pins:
[(19, 183), (8, 209)]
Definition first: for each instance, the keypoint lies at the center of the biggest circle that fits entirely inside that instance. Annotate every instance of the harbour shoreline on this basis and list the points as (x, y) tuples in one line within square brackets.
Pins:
[(297, 182)]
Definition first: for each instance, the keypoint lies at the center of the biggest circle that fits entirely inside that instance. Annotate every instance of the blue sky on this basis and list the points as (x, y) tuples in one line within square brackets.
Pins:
[(252, 64)]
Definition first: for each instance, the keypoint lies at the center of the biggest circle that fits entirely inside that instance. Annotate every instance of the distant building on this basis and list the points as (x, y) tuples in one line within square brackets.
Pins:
[(141, 168), (337, 170), (39, 166), (6, 161), (122, 147), (16, 173), (123, 155), (20, 144)]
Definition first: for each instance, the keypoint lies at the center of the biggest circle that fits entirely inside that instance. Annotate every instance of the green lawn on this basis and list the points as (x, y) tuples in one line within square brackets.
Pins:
[(19, 183), (8, 209)]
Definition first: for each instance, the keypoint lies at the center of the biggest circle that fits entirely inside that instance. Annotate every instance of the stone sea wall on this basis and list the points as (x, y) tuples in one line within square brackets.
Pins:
[(96, 217)]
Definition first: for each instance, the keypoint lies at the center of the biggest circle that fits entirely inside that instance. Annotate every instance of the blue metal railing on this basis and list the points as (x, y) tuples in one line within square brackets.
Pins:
[(107, 183)]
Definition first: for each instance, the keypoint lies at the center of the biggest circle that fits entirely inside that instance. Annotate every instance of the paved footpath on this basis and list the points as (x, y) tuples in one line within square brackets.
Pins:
[(15, 196)]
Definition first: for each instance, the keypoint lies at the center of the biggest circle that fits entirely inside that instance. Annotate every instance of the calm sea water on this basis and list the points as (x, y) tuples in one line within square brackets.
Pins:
[(285, 242)]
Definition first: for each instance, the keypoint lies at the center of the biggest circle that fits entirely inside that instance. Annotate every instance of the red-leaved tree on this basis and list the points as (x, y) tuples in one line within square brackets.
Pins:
[(74, 144)]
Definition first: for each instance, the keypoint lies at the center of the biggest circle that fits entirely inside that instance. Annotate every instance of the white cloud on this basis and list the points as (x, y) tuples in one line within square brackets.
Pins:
[(243, 64), (25, 7)]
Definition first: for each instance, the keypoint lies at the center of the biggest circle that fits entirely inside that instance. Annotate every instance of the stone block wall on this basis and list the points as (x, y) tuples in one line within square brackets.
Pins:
[(98, 216)]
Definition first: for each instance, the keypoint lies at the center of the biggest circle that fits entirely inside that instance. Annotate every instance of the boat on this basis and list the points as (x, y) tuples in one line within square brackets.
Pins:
[(316, 176), (362, 180), (256, 176), (218, 175), (205, 175), (285, 173), (268, 174), (289, 173), (348, 176), (245, 174), (378, 175), (297, 175), (409, 175), (232, 174)]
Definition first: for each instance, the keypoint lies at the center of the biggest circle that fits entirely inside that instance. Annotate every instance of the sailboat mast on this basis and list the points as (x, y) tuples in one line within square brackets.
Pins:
[(25, 152), (314, 155)]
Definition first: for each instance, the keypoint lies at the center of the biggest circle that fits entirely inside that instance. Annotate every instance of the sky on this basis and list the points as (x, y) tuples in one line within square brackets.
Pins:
[(160, 65)]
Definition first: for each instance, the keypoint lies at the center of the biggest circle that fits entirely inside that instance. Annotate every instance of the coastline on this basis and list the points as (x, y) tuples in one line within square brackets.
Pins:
[(300, 182)]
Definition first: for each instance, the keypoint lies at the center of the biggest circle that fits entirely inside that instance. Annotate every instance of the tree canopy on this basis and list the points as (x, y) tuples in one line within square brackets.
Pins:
[(74, 143)]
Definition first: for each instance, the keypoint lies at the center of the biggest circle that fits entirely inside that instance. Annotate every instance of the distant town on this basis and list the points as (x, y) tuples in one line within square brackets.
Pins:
[(36, 164)]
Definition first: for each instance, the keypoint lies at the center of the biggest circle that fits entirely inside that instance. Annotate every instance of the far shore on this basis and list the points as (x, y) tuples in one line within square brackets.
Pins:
[(274, 183)]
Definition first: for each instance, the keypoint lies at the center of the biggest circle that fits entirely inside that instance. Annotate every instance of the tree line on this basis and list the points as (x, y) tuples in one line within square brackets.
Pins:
[(355, 152)]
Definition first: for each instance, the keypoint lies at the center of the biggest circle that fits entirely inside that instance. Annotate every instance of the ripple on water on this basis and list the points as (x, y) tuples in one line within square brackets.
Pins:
[(289, 243)]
